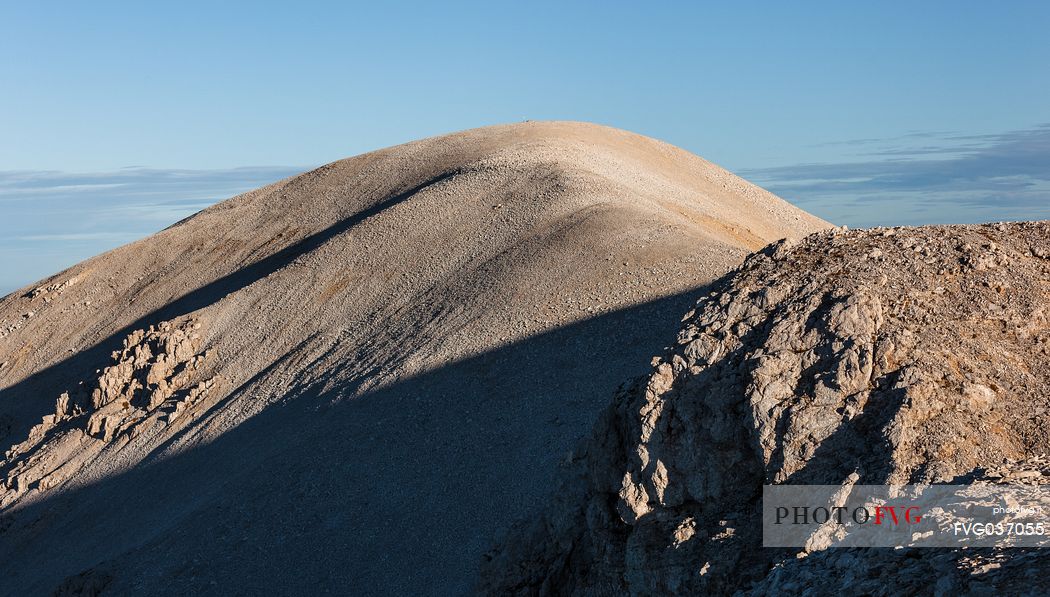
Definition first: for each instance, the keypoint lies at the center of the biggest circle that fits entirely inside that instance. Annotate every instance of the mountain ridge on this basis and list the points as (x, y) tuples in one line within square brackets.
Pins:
[(400, 316)]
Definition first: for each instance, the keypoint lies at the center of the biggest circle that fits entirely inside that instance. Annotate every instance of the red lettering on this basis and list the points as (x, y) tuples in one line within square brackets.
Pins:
[(881, 510)]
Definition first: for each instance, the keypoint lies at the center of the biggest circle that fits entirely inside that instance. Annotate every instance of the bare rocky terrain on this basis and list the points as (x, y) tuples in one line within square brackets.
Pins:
[(357, 377), (884, 356)]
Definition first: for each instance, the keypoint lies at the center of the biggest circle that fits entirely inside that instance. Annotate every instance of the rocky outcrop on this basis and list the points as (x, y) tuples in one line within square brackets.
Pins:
[(888, 356), (53, 287), (159, 375)]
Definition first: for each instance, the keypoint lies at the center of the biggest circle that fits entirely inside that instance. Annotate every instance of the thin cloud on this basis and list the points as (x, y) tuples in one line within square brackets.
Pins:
[(883, 140), (136, 182), (54, 219), (972, 178), (83, 236)]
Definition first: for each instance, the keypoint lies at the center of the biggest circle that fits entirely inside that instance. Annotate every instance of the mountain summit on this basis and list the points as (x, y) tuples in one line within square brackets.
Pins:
[(355, 377)]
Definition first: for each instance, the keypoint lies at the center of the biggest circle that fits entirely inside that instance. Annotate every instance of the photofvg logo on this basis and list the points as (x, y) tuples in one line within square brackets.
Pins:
[(822, 516)]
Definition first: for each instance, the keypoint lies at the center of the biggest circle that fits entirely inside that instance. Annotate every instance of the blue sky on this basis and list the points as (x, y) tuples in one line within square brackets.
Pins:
[(117, 119)]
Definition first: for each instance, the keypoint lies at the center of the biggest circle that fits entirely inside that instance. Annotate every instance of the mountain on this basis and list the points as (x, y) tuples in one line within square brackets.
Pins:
[(356, 377), (886, 356)]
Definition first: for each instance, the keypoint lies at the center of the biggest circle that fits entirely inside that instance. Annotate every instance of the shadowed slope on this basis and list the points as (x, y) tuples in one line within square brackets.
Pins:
[(397, 491), (341, 284)]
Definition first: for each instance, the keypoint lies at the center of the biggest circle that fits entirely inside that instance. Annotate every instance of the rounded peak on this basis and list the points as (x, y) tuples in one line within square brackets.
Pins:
[(543, 128), (552, 132), (531, 137)]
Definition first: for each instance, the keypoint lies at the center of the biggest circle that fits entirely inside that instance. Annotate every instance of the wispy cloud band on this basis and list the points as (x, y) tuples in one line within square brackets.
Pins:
[(948, 178), (137, 182), (54, 219)]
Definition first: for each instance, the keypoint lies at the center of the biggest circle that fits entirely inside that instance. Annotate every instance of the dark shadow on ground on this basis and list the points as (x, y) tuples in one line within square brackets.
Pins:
[(399, 491)]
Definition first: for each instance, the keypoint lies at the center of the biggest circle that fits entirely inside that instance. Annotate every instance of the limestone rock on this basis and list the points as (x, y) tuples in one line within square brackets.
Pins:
[(156, 366), (868, 357)]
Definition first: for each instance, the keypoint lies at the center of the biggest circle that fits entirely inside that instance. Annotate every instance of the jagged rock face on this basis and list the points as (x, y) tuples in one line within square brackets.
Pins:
[(158, 376), (874, 357)]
